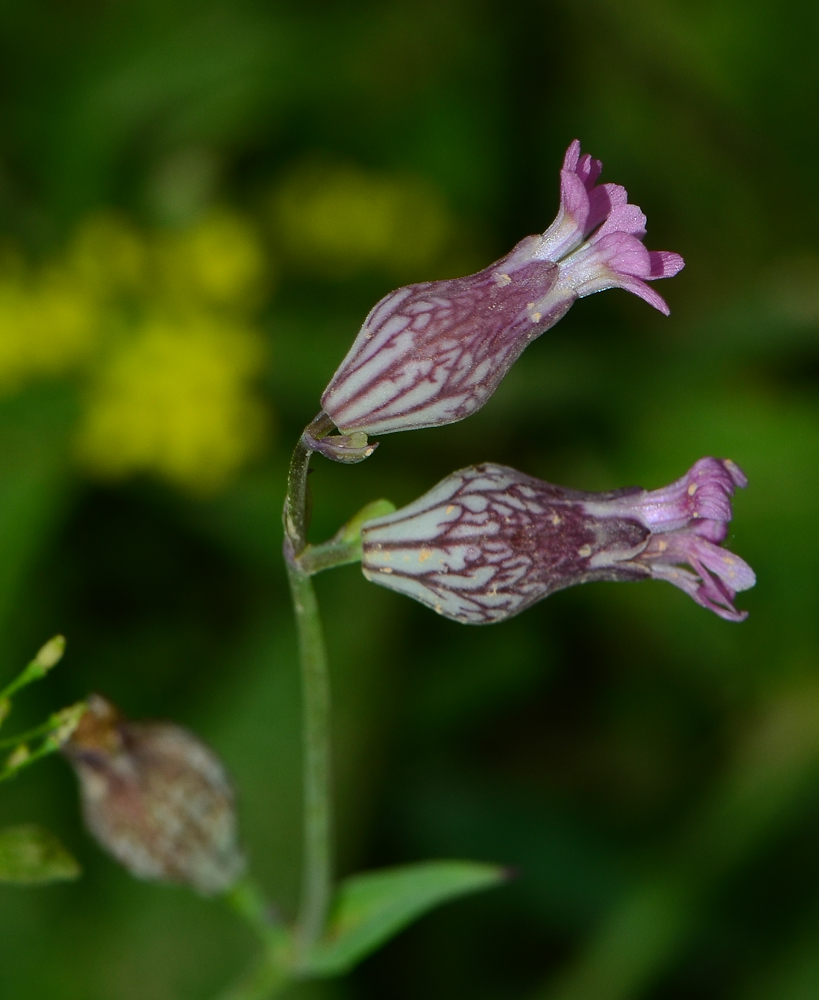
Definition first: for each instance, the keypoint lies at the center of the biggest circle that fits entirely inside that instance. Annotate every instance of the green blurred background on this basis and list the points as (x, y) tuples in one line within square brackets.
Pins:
[(199, 202)]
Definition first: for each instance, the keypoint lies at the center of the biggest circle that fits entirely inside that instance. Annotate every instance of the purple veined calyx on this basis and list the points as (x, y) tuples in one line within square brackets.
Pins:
[(433, 353), (488, 542)]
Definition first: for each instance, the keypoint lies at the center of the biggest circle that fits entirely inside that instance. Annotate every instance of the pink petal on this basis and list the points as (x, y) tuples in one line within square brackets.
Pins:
[(623, 253), (588, 170), (574, 199), (604, 200), (734, 572), (664, 264), (714, 531), (572, 156), (647, 294), (737, 475), (711, 597), (706, 594), (624, 219)]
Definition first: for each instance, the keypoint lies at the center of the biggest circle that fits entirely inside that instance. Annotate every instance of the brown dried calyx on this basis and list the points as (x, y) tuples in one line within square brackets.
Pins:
[(156, 798)]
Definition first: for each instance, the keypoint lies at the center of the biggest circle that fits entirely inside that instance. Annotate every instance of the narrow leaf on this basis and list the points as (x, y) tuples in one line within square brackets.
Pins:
[(371, 908), (30, 855)]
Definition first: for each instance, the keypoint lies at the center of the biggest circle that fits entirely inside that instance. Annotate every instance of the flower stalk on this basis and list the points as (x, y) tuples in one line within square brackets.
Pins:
[(271, 974), (303, 561), (317, 857)]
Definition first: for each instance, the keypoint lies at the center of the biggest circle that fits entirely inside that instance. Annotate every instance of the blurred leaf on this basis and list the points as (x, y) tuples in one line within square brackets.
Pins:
[(34, 485), (771, 779), (371, 908), (30, 855)]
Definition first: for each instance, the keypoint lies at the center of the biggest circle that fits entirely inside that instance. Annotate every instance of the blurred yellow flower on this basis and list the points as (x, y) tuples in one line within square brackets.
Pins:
[(340, 220), (219, 260), (155, 326), (108, 255), (175, 399), (49, 324)]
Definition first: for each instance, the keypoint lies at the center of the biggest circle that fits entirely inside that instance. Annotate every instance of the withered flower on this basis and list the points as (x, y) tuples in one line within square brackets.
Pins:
[(156, 798)]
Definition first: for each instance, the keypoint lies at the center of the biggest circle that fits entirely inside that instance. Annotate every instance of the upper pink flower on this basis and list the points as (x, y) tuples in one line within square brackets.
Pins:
[(434, 352), (597, 221)]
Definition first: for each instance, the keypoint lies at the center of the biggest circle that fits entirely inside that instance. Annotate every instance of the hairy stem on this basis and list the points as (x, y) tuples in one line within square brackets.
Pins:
[(296, 506), (317, 858)]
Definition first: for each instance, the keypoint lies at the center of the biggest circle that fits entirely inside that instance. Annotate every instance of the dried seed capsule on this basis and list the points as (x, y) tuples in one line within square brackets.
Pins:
[(156, 798)]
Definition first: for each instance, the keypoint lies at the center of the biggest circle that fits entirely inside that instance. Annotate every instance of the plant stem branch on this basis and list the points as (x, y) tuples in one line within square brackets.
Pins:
[(317, 860), (328, 555), (317, 857), (265, 980), (272, 971), (296, 504)]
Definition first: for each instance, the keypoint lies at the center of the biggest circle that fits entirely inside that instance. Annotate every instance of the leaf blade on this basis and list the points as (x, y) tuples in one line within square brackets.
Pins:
[(30, 855), (373, 907)]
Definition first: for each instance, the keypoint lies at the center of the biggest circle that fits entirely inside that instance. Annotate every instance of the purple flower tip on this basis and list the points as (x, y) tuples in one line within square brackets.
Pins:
[(597, 236), (434, 352), (690, 519), (488, 541)]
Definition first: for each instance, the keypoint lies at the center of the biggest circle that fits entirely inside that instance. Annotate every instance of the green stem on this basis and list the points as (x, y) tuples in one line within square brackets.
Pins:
[(328, 555), (275, 968), (11, 771), (271, 972), (267, 979), (30, 734), (47, 657), (317, 857), (247, 900), (296, 505)]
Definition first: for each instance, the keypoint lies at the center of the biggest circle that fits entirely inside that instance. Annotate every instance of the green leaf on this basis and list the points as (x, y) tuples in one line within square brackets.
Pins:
[(30, 855), (371, 908), (351, 531)]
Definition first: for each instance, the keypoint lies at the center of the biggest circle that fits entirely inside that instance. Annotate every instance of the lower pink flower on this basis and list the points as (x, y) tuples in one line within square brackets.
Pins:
[(488, 541)]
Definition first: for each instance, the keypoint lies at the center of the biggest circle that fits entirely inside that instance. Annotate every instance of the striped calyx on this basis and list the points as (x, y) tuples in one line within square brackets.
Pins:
[(434, 352), (488, 541)]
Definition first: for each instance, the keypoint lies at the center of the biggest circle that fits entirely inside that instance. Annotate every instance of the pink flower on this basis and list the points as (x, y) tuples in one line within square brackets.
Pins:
[(434, 352), (487, 542), (597, 237)]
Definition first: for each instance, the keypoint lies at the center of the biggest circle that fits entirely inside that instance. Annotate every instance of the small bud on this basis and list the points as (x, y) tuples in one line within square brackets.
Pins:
[(156, 798), (51, 653), (66, 721), (17, 757), (434, 352), (488, 541)]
